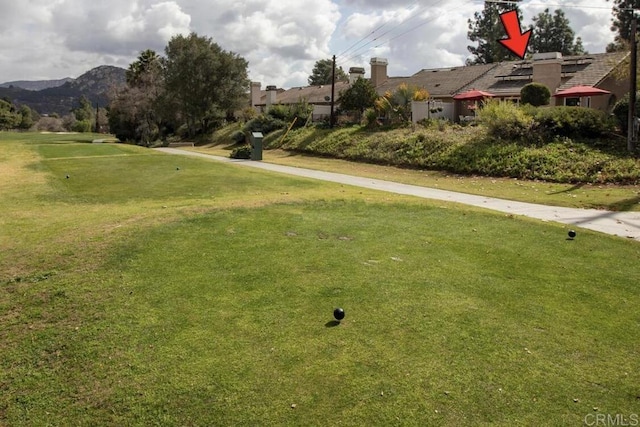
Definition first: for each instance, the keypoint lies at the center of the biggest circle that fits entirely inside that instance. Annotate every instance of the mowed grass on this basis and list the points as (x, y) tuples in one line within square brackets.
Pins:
[(584, 196), (207, 299)]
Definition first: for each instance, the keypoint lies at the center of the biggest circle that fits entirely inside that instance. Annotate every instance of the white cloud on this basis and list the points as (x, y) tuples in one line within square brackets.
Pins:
[(588, 19), (275, 36), (281, 39), (434, 34), (119, 27), (412, 38)]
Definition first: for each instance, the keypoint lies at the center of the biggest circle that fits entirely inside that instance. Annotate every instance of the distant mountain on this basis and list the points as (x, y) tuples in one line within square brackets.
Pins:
[(94, 84), (36, 84)]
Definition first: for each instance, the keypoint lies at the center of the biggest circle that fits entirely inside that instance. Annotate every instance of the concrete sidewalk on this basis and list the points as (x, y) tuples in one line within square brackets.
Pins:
[(624, 224)]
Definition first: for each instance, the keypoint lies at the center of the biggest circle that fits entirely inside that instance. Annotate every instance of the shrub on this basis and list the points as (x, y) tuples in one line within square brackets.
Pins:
[(396, 105), (300, 112), (435, 123), (183, 132), (279, 112), (248, 113), (505, 120), (50, 124), (81, 126), (370, 118), (243, 152), (265, 124), (238, 137), (572, 122), (535, 94), (621, 111)]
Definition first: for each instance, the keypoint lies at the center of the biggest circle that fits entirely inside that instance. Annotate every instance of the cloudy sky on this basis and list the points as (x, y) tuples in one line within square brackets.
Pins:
[(281, 39)]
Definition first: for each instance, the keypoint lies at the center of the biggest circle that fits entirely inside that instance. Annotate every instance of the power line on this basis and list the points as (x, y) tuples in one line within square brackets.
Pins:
[(551, 5), (362, 39), (414, 14), (370, 34), (361, 52)]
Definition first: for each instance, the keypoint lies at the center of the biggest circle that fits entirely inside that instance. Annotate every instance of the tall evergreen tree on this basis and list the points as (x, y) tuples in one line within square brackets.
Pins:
[(322, 72), (486, 29), (148, 66), (621, 23), (553, 33)]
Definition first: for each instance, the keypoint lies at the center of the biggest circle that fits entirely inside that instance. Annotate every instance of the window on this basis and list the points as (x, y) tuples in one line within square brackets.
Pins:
[(577, 102), (572, 102)]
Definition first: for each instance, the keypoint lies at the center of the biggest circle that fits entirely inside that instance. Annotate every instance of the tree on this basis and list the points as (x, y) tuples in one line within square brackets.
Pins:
[(398, 104), (145, 69), (535, 94), (26, 117), (621, 111), (133, 116), (123, 114), (82, 117), (359, 96), (102, 121), (486, 29), (9, 117), (621, 24), (135, 112), (84, 111), (553, 33), (203, 82), (322, 71)]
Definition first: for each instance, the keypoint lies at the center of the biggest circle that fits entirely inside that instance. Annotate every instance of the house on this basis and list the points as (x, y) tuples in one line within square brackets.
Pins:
[(503, 79), (506, 79)]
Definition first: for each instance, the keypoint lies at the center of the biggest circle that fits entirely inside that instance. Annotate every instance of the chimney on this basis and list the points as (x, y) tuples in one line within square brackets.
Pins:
[(255, 93), (547, 69), (378, 71), (355, 73), (272, 92)]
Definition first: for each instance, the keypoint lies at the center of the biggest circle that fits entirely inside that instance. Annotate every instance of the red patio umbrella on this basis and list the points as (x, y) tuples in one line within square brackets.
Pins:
[(473, 95), (579, 91)]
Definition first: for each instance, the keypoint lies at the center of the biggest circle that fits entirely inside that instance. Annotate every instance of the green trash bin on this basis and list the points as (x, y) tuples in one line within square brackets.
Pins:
[(256, 145)]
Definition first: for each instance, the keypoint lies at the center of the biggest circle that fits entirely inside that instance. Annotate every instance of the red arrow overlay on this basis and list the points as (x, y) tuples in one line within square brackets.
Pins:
[(516, 41)]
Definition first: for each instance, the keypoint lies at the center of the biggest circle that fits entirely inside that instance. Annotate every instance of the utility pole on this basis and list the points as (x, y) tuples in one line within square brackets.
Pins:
[(633, 76), (332, 120)]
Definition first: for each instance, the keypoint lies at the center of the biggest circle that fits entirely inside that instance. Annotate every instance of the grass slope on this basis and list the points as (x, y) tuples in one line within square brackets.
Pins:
[(469, 150), (300, 149), (129, 298)]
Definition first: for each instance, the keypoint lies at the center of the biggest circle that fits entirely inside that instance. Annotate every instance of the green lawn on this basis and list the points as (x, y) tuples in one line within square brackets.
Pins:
[(578, 195), (148, 289)]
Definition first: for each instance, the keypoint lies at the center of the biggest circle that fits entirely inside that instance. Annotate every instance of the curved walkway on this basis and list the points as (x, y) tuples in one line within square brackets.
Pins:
[(624, 224)]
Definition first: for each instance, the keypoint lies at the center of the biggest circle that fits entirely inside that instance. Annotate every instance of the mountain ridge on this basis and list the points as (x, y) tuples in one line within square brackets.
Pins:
[(36, 85), (94, 85)]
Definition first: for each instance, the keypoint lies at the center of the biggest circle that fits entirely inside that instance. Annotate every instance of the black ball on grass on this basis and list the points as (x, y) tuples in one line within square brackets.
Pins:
[(67, 176), (338, 313), (177, 169), (572, 234)]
